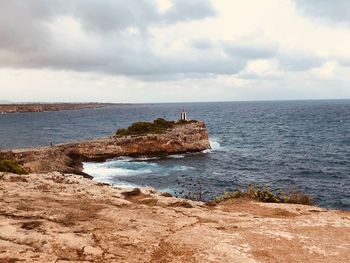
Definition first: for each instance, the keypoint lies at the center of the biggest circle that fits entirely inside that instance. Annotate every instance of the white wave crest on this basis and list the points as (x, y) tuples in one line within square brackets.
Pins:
[(215, 146), (144, 158), (113, 171), (177, 156), (109, 171)]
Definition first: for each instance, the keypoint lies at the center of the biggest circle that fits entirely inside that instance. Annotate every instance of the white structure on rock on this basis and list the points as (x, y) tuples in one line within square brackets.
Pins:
[(183, 115)]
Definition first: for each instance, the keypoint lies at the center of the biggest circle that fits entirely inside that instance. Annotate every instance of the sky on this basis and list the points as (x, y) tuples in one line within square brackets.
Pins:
[(174, 50)]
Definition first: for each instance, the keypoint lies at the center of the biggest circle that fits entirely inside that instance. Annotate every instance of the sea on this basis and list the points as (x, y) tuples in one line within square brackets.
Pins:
[(287, 145)]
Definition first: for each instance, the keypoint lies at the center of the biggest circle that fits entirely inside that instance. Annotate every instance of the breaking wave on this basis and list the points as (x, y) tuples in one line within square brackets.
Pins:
[(215, 146), (115, 170)]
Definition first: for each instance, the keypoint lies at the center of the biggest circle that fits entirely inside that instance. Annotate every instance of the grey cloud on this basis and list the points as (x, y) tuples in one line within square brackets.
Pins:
[(288, 60), (250, 51), (344, 61), (327, 10), (202, 44), (249, 75), (27, 42), (295, 61), (139, 13), (126, 59), (240, 49), (115, 15), (188, 10)]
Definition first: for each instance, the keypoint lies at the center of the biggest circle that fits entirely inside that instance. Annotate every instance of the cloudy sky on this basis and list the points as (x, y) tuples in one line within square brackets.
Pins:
[(174, 50)]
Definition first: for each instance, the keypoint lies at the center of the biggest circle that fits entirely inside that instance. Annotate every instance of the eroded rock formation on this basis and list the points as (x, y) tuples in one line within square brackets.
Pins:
[(68, 158)]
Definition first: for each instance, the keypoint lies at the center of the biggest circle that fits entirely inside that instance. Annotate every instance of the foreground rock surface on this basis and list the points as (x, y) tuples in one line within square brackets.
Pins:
[(67, 218), (68, 158)]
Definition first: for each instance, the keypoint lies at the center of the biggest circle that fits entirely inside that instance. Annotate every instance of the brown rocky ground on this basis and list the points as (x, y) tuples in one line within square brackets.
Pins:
[(56, 218)]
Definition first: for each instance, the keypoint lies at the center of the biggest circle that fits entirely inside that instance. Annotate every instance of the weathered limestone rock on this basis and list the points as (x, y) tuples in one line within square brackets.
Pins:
[(67, 218), (68, 158)]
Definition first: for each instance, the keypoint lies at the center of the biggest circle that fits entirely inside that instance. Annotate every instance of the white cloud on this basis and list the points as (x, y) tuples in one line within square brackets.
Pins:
[(327, 70), (337, 11), (164, 5), (261, 68)]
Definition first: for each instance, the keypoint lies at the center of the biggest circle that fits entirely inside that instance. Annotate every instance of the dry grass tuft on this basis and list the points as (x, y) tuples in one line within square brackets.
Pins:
[(11, 167), (264, 194)]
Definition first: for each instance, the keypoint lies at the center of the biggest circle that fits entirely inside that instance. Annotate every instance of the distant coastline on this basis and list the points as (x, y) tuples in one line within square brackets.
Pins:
[(41, 107)]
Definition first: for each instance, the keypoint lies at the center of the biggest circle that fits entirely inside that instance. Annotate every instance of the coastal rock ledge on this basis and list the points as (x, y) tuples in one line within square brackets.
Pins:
[(67, 218), (68, 157)]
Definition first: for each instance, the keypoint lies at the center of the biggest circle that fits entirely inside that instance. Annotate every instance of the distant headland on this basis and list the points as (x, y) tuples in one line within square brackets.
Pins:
[(41, 107)]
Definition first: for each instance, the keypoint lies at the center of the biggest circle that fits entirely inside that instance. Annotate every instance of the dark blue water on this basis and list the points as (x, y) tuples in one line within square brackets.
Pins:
[(294, 144)]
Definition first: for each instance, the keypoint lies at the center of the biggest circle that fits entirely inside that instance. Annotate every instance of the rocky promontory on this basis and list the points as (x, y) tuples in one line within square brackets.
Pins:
[(68, 157)]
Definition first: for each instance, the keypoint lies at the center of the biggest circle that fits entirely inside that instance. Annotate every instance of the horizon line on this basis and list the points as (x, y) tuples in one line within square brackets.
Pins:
[(5, 102)]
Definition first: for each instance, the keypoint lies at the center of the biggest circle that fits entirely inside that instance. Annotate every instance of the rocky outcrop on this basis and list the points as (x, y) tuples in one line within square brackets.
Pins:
[(67, 218), (68, 158)]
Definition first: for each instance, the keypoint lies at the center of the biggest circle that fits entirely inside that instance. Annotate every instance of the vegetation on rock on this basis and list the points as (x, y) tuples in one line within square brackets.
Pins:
[(182, 122), (11, 167), (159, 125), (264, 194)]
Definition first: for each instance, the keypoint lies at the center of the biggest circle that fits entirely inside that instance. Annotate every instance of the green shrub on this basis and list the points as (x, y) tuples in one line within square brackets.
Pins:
[(121, 132), (183, 122), (139, 128), (11, 167), (159, 125), (162, 123), (193, 121)]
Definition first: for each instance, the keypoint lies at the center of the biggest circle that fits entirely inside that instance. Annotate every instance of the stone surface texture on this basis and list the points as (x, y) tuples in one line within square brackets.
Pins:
[(67, 218)]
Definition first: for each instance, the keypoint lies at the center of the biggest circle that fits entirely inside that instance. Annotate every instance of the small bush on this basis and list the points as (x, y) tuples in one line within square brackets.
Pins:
[(190, 188), (11, 167), (139, 128), (181, 122), (121, 132), (264, 194), (161, 123)]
